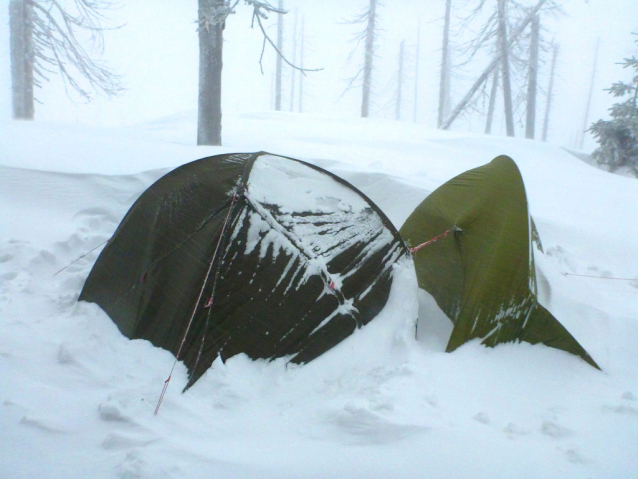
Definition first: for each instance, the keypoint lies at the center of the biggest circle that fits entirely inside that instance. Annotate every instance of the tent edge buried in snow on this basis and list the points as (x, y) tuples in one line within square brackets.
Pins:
[(246, 253), (483, 275)]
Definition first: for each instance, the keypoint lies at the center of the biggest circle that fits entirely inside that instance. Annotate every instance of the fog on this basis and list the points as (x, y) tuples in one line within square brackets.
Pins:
[(156, 52)]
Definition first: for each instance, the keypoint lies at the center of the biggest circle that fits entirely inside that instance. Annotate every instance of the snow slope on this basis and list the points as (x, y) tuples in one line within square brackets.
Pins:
[(77, 398)]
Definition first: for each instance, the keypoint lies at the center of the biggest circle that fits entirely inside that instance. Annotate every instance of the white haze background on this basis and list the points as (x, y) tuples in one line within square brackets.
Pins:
[(156, 52)]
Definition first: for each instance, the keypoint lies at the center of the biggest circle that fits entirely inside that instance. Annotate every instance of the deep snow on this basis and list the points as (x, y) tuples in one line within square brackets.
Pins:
[(77, 398)]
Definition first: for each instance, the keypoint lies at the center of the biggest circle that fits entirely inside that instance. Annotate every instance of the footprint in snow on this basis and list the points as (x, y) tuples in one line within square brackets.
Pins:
[(43, 425), (116, 441), (513, 430), (10, 254), (132, 467), (112, 413), (575, 457), (44, 258), (362, 426), (482, 417), (11, 275), (555, 430), (625, 407), (622, 409), (93, 221)]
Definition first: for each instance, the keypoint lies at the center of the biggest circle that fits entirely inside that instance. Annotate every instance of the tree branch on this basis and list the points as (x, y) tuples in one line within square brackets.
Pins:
[(258, 15)]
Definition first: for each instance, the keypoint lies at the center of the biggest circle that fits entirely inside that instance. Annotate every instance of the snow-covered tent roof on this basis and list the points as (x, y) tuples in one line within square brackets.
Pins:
[(482, 273), (303, 259)]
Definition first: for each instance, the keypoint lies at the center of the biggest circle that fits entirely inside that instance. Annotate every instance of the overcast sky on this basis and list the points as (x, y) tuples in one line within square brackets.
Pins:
[(156, 52)]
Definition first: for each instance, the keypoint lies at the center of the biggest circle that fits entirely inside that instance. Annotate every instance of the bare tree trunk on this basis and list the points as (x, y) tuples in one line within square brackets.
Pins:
[(303, 39), (399, 99), (550, 88), (294, 61), (444, 88), (211, 43), (505, 67), (490, 68), (416, 72), (272, 91), (21, 39), (530, 123), (280, 42), (492, 105), (369, 56), (591, 91)]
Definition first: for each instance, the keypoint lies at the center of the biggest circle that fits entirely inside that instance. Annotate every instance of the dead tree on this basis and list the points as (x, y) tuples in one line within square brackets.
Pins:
[(280, 44), (505, 67), (444, 87), (399, 99), (513, 37), (532, 87), (44, 40), (369, 56), (492, 104), (368, 35), (416, 72), (581, 138), (301, 53), (550, 89), (294, 60), (21, 32), (212, 18)]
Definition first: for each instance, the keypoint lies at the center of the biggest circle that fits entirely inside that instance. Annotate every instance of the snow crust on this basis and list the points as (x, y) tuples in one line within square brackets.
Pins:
[(77, 398), (295, 187)]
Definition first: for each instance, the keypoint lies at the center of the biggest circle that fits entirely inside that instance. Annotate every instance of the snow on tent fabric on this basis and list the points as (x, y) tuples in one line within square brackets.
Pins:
[(304, 259), (482, 276)]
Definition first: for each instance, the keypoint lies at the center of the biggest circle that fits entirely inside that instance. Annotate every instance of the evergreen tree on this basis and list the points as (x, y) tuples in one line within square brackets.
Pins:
[(618, 137)]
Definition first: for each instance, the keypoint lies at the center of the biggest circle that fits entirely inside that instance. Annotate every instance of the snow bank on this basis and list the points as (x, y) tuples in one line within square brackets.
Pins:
[(77, 398)]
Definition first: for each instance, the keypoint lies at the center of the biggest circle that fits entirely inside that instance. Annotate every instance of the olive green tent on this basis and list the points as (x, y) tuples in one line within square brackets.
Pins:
[(246, 253), (481, 273)]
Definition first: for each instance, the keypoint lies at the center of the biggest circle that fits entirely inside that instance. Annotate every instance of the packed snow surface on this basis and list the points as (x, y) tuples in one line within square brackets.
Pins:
[(77, 397)]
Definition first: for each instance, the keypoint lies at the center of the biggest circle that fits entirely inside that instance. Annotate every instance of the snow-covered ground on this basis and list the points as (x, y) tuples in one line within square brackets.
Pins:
[(77, 398)]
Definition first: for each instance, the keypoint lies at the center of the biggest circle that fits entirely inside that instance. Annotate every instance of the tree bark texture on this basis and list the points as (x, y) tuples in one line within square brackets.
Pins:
[(532, 83), (444, 87), (209, 118), (505, 67), (21, 44), (369, 56), (550, 88), (280, 44)]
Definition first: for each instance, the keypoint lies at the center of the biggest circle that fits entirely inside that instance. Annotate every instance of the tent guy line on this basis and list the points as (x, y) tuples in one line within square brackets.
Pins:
[(80, 257), (199, 298), (271, 300), (436, 238), (597, 277)]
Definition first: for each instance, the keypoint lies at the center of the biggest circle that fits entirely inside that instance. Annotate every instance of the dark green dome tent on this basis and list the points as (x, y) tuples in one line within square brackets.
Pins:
[(303, 259), (482, 274)]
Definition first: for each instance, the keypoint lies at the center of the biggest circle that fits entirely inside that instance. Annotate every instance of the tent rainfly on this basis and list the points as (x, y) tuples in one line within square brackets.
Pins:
[(482, 274), (246, 253)]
